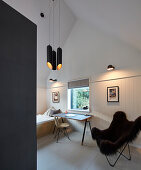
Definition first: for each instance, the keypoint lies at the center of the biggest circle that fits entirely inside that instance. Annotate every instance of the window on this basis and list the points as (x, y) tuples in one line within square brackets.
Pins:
[(78, 99)]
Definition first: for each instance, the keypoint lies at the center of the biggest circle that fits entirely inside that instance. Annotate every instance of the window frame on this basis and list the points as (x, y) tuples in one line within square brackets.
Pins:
[(69, 101)]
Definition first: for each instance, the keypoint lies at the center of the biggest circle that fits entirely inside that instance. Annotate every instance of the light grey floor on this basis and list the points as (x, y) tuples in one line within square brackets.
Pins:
[(70, 155)]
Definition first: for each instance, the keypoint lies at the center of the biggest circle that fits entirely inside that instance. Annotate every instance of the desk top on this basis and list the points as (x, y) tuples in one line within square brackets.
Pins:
[(74, 116)]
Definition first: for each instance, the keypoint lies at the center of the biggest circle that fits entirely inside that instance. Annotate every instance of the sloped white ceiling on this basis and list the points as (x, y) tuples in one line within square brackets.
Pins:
[(122, 18), (88, 52), (32, 9)]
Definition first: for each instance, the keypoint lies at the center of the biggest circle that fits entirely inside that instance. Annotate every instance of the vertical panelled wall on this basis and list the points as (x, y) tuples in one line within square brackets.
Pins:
[(129, 97), (17, 90), (129, 100)]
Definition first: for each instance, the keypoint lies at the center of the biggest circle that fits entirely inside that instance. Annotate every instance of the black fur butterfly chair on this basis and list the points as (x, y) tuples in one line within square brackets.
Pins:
[(118, 136)]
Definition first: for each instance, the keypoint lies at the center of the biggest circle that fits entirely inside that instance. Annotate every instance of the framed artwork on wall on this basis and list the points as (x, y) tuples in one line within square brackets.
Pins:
[(113, 94), (55, 97)]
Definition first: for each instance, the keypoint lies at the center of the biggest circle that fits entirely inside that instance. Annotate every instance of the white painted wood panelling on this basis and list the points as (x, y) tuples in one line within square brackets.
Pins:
[(129, 101)]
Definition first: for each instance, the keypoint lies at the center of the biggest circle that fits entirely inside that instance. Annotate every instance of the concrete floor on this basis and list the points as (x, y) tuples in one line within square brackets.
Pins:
[(70, 155)]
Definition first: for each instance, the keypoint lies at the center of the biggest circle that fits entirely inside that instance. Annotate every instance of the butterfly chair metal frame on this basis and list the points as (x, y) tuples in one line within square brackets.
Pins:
[(61, 128), (121, 154)]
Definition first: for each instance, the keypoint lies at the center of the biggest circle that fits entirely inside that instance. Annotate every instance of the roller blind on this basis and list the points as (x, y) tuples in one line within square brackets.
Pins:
[(78, 83)]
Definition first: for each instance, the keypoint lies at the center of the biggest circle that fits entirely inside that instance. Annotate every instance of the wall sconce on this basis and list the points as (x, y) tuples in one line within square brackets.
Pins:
[(110, 67), (52, 80)]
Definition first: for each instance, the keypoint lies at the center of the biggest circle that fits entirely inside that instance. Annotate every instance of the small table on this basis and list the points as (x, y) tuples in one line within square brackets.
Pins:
[(80, 117)]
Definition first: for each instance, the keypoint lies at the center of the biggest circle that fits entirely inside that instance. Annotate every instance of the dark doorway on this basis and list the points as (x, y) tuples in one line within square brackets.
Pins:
[(18, 39)]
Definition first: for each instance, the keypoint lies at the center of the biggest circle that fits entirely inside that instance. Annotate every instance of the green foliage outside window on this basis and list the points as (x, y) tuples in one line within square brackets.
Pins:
[(80, 98)]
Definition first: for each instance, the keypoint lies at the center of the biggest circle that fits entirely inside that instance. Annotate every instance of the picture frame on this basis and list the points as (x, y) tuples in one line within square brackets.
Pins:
[(55, 97), (113, 94)]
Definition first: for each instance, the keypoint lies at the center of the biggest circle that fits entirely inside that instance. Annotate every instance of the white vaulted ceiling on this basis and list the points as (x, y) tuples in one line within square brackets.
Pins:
[(122, 18), (32, 9)]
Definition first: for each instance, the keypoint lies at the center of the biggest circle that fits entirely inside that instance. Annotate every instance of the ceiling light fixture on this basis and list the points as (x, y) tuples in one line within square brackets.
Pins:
[(110, 67), (42, 15), (52, 62)]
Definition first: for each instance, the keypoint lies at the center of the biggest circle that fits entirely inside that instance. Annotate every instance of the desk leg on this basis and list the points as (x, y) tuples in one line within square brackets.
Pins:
[(84, 132), (90, 126)]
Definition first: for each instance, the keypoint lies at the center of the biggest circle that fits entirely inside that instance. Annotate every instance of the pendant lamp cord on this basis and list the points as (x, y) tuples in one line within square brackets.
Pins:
[(49, 21), (59, 23), (53, 23)]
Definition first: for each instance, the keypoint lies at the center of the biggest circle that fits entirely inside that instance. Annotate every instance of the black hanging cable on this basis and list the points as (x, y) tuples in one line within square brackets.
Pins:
[(53, 22), (49, 21), (59, 23)]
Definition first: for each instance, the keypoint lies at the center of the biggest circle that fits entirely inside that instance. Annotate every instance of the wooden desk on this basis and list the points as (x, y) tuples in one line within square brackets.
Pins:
[(79, 117)]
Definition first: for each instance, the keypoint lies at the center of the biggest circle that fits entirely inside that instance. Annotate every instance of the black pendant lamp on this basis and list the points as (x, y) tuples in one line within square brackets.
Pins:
[(51, 54), (59, 58), (49, 57), (53, 60)]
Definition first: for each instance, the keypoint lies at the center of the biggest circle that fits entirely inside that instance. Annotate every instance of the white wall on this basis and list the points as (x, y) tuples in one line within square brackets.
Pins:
[(62, 88), (32, 9), (41, 100), (87, 53)]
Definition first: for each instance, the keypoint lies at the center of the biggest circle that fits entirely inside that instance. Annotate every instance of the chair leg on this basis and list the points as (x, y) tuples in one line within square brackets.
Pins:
[(129, 152), (67, 134), (120, 154), (58, 135), (128, 158)]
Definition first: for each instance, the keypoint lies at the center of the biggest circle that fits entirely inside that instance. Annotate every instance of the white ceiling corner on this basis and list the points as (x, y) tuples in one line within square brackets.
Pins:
[(121, 18)]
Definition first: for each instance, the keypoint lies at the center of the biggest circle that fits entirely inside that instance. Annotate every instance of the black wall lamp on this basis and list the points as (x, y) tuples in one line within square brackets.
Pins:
[(52, 80), (110, 67)]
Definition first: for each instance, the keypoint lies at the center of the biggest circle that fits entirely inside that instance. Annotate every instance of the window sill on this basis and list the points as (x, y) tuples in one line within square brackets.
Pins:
[(78, 111)]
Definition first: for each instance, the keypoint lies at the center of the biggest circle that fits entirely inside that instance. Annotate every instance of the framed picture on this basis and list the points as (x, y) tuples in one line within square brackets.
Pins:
[(55, 97), (113, 94)]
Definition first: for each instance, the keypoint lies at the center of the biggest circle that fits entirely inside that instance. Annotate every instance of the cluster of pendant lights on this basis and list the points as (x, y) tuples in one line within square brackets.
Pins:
[(54, 59)]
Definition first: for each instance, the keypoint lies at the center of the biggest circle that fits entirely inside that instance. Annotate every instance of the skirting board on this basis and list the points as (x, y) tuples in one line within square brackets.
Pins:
[(136, 146)]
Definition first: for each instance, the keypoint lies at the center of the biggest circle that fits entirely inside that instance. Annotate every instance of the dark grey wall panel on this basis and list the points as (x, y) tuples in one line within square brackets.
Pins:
[(17, 90)]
